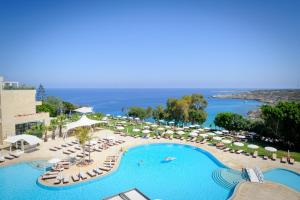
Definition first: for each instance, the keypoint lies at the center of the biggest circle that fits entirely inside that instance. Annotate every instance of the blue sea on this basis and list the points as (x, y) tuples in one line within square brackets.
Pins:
[(111, 101)]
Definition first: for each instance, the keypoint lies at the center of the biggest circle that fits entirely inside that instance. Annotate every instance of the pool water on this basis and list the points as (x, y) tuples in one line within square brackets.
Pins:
[(189, 176), (194, 174), (285, 177)]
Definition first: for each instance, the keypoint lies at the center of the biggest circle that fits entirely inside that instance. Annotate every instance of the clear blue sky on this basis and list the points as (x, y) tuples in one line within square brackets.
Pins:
[(153, 43)]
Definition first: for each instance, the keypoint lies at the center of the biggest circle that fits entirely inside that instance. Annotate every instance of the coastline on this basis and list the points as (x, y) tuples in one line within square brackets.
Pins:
[(268, 96)]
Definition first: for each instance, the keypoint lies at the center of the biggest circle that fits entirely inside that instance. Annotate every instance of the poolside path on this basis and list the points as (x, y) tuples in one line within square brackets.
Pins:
[(268, 190)]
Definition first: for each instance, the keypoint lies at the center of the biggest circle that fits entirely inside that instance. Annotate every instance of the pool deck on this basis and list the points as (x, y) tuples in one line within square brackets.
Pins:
[(232, 160), (267, 190)]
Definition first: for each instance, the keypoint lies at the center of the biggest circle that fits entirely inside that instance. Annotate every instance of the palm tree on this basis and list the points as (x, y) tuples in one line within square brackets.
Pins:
[(39, 130), (53, 127), (61, 122), (83, 135)]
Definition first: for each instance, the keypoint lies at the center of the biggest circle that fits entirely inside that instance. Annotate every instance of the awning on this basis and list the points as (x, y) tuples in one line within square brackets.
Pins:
[(84, 110), (83, 121), (30, 139)]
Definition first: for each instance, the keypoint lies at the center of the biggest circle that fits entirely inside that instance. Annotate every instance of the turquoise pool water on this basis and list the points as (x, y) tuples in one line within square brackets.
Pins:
[(285, 177), (187, 177), (194, 174)]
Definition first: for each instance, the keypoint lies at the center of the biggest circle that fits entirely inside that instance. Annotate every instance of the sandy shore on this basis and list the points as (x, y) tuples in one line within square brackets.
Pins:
[(232, 160)]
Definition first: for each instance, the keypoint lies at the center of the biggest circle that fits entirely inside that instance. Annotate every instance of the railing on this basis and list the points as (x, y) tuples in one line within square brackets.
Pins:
[(21, 87)]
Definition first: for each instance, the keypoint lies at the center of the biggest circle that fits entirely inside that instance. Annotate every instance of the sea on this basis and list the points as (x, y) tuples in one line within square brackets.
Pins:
[(112, 101)]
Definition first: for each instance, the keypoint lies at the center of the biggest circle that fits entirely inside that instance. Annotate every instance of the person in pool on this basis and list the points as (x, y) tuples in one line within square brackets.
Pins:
[(169, 158), (140, 162)]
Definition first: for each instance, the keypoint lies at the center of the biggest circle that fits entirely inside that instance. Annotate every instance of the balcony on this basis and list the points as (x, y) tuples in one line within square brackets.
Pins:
[(19, 87)]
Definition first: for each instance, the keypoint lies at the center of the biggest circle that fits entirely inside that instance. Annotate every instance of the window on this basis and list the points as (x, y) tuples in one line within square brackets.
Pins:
[(21, 128)]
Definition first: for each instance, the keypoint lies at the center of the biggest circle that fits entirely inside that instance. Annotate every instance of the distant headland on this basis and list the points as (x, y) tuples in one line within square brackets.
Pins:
[(269, 96)]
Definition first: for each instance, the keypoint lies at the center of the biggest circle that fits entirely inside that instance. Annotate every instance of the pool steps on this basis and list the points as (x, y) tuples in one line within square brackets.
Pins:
[(228, 178)]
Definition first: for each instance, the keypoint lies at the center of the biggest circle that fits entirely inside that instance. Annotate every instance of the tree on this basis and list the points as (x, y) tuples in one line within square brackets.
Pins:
[(61, 122), (41, 93), (158, 113), (68, 107), (83, 135), (45, 107), (53, 127), (39, 130), (139, 112), (231, 121), (56, 103), (197, 116), (282, 122), (186, 109)]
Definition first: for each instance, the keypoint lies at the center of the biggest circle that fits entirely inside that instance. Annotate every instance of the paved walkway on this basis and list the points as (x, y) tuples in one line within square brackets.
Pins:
[(267, 190)]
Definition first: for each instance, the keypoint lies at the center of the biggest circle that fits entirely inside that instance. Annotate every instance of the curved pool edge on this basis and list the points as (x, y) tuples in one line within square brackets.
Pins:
[(192, 146), (91, 180), (235, 190), (285, 169), (281, 168)]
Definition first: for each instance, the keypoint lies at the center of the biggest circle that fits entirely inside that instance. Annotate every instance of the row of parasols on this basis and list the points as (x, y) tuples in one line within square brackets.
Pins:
[(240, 144)]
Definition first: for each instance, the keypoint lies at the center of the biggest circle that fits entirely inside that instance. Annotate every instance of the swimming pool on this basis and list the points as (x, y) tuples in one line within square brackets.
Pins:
[(194, 174), (285, 177)]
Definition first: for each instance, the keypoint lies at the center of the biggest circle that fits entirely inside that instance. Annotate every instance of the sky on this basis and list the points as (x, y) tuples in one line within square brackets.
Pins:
[(151, 44)]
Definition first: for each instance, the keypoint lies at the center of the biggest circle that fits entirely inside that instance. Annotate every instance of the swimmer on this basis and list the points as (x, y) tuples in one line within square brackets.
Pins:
[(140, 162)]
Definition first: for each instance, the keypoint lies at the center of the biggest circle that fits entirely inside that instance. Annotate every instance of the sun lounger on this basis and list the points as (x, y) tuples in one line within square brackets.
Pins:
[(57, 147), (226, 149), (65, 180), (45, 177), (291, 161), (78, 148), (53, 149), (222, 147), (274, 156), (66, 152), (2, 159), (75, 178), (82, 176), (98, 149), (72, 151), (232, 151), (105, 169), (91, 173), (98, 171), (79, 155), (50, 173), (254, 155), (283, 159), (64, 162), (64, 145), (9, 157), (240, 151), (17, 153), (203, 141), (265, 157), (57, 181)]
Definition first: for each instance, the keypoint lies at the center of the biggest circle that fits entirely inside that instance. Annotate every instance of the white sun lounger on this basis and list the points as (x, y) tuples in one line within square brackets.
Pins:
[(17, 153), (9, 157), (75, 178), (98, 171), (91, 173), (57, 181), (82, 176), (65, 180)]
